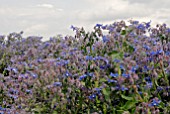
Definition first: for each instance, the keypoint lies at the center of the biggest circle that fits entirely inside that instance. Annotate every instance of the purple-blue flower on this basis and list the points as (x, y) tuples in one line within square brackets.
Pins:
[(134, 22), (154, 103), (148, 24), (98, 25), (104, 27), (125, 75), (116, 60), (146, 47), (123, 88), (93, 96), (82, 77), (57, 84), (141, 27), (90, 74), (114, 75), (159, 88), (74, 28), (89, 57), (168, 30), (34, 75), (122, 67), (134, 68), (14, 70), (111, 81), (28, 91), (105, 39)]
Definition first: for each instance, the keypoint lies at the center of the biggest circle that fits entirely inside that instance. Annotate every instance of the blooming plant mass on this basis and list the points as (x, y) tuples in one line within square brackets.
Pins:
[(125, 71)]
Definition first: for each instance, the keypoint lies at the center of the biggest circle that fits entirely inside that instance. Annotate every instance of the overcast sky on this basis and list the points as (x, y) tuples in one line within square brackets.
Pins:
[(51, 17)]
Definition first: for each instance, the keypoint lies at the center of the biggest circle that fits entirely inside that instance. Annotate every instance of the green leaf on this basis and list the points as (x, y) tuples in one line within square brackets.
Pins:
[(131, 49), (129, 105), (119, 111), (117, 56), (104, 109), (106, 92), (96, 83), (121, 54), (125, 44), (113, 52), (123, 32), (126, 97)]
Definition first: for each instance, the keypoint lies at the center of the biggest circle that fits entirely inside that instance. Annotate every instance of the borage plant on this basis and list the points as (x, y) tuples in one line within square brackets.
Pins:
[(123, 71)]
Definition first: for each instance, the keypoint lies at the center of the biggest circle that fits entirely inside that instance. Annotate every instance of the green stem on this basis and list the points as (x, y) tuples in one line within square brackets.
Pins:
[(162, 68)]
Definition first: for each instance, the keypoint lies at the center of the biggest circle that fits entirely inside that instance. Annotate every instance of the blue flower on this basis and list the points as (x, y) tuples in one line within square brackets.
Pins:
[(97, 58), (167, 88), (98, 25), (34, 75), (19, 107), (67, 74), (98, 90), (72, 27), (148, 79), (149, 84), (82, 77), (141, 26), (136, 41), (168, 30), (39, 60), (125, 75), (134, 68), (122, 67), (111, 81), (116, 60), (104, 27), (46, 44), (148, 24), (153, 53), (154, 103), (159, 88), (123, 88), (167, 53), (140, 92), (159, 51), (145, 69), (28, 91), (134, 22), (132, 34), (89, 57), (57, 84), (146, 47), (14, 70), (105, 39), (90, 74), (93, 96), (111, 29), (114, 75), (103, 67)]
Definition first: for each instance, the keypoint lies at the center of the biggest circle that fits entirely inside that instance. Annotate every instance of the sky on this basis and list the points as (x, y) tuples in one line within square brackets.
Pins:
[(49, 18)]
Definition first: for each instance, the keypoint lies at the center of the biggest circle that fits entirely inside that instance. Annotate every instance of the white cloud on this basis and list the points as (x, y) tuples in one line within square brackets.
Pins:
[(45, 5), (56, 16)]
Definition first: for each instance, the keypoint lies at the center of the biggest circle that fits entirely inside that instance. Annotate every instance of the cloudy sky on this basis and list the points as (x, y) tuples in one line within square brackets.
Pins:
[(51, 17)]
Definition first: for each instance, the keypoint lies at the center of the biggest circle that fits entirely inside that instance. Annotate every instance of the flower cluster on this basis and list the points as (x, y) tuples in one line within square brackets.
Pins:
[(126, 70)]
